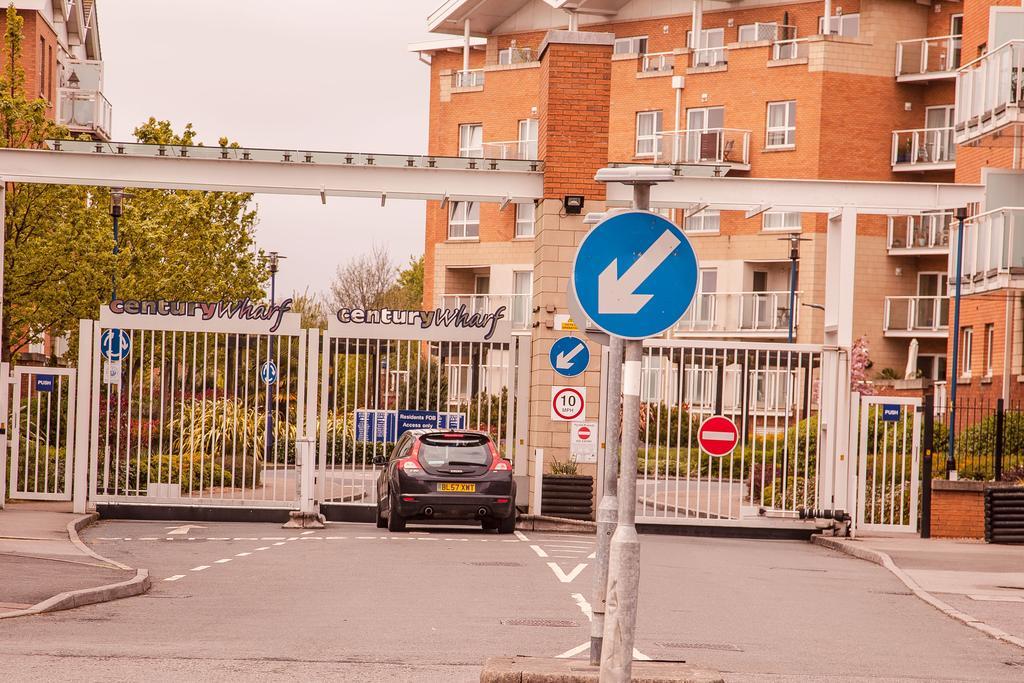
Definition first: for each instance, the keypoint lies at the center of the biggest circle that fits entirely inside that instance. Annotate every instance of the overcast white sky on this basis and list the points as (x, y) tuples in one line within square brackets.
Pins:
[(317, 74)]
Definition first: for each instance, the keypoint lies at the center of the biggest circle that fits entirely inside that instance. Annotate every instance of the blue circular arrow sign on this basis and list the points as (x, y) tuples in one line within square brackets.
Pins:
[(635, 274), (115, 344), (569, 356), (268, 372)]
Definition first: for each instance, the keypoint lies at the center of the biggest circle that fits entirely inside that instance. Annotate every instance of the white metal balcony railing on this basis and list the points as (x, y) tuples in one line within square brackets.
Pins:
[(766, 313), (923, 234), (916, 316), (516, 55), (84, 111), (709, 56), (923, 147), (473, 78), (510, 149), (924, 58), (993, 248), (657, 62), (704, 145), (518, 305), (793, 48), (989, 92)]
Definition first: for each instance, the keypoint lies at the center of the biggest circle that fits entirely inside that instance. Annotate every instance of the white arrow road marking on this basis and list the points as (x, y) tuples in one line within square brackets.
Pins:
[(584, 606), (573, 652), (564, 360), (592, 556), (182, 530), (540, 552), (618, 294), (562, 576), (520, 535)]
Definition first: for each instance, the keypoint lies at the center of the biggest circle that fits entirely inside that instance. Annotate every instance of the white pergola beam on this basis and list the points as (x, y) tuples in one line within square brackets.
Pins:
[(805, 196), (482, 184)]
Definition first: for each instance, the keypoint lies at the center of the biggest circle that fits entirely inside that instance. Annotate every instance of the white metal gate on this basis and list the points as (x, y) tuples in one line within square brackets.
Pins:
[(770, 391), (42, 433), (380, 379), (193, 411), (889, 463)]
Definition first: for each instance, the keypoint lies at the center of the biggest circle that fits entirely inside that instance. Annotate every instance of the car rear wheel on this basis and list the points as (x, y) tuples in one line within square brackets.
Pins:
[(507, 525), (381, 522), (489, 524), (395, 521)]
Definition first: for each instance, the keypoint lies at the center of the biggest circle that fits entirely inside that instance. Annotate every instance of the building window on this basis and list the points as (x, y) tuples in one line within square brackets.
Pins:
[(471, 140), (658, 379), (49, 70), (522, 286), (787, 221), (637, 45), (781, 124), (966, 342), (844, 25), (464, 221), (42, 68), (648, 128), (528, 139), (990, 338), (707, 220), (526, 215)]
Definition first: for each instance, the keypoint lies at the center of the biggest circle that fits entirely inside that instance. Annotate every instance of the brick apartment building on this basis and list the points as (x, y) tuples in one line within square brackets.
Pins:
[(63, 65)]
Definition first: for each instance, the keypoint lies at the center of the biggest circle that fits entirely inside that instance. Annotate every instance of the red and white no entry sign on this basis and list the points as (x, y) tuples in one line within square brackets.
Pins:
[(718, 435), (583, 432), (568, 403)]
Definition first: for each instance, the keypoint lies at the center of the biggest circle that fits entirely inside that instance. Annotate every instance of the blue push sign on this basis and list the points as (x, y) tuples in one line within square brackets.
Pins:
[(268, 372), (891, 412), (569, 356), (44, 382), (115, 344), (635, 274)]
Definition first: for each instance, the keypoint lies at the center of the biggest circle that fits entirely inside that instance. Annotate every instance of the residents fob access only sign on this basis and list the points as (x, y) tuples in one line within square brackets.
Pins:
[(635, 274)]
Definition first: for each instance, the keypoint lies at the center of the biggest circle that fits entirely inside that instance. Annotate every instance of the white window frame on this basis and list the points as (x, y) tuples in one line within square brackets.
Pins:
[(842, 25), (466, 148), (787, 129), (791, 221), (525, 223), (528, 138), (966, 350), (652, 137), (706, 222), (630, 45), (990, 347), (462, 225)]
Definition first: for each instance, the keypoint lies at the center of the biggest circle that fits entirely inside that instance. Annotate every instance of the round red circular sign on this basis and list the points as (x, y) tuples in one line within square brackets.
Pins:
[(584, 433), (718, 435), (567, 404)]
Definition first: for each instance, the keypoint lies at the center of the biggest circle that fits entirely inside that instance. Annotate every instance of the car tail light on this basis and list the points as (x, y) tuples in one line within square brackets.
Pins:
[(411, 464), (498, 464), (503, 500)]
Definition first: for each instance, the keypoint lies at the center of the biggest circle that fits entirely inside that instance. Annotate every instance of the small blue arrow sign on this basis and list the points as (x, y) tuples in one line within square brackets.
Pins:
[(635, 274), (115, 344), (569, 356), (268, 372)]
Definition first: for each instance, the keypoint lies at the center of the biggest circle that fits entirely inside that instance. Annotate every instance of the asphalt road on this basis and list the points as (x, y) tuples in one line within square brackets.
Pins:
[(255, 602)]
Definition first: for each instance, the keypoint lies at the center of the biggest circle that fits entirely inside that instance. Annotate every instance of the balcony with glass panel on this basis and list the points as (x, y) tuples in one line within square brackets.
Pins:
[(923, 149), (990, 93), (993, 254), (714, 146), (916, 316), (928, 59), (517, 306), (921, 235), (739, 314), (81, 104)]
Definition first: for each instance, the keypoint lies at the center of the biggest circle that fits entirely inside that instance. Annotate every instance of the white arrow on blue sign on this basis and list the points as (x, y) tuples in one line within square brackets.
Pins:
[(569, 356), (115, 344), (268, 372), (635, 274)]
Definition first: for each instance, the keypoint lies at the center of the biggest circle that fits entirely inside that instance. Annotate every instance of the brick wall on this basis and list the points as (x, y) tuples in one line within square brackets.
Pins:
[(958, 509)]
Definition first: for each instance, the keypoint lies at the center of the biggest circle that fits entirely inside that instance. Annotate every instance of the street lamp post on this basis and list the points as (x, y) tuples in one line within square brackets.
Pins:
[(268, 442), (794, 259), (116, 209), (961, 215)]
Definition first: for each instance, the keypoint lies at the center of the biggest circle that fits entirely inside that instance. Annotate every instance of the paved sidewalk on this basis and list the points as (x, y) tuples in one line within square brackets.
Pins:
[(38, 560), (982, 581)]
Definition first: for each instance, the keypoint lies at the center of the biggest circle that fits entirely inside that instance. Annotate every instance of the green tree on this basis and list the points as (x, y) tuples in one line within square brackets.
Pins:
[(407, 292)]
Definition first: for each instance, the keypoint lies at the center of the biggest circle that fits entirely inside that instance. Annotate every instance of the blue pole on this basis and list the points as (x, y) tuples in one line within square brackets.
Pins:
[(961, 214), (792, 289)]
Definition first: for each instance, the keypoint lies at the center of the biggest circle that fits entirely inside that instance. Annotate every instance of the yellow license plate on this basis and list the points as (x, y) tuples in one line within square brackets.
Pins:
[(457, 488)]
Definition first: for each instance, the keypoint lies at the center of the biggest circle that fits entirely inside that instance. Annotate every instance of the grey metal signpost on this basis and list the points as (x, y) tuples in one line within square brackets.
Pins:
[(634, 276)]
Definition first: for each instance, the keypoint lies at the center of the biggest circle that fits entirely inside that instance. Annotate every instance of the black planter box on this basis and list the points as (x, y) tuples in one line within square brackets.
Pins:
[(566, 495), (1004, 515)]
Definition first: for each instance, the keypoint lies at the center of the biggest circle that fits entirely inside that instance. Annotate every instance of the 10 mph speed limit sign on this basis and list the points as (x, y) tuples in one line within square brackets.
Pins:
[(568, 403)]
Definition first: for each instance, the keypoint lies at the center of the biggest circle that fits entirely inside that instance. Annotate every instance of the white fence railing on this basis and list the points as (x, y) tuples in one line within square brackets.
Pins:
[(987, 87), (923, 232), (84, 111), (657, 62), (916, 314), (518, 305), (793, 48), (923, 146), (936, 55), (739, 313), (703, 145), (511, 149), (993, 245), (472, 78), (709, 56)]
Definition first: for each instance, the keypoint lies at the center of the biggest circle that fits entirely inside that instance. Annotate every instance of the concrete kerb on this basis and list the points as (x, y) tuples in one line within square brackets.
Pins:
[(553, 670), (548, 523), (136, 585), (880, 558)]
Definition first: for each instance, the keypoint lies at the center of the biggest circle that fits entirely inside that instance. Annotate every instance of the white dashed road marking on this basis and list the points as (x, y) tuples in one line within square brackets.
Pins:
[(175, 577), (243, 554), (224, 561), (200, 568), (521, 536), (537, 549)]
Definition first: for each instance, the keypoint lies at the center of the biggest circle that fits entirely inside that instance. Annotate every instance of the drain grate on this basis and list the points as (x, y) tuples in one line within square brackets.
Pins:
[(556, 623), (495, 564), (722, 647)]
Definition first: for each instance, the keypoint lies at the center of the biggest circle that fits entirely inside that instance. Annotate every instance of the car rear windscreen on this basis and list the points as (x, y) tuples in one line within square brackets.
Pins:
[(438, 450)]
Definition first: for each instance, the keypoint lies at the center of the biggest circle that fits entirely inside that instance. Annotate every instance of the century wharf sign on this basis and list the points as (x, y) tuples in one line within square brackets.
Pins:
[(242, 316), (441, 324)]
